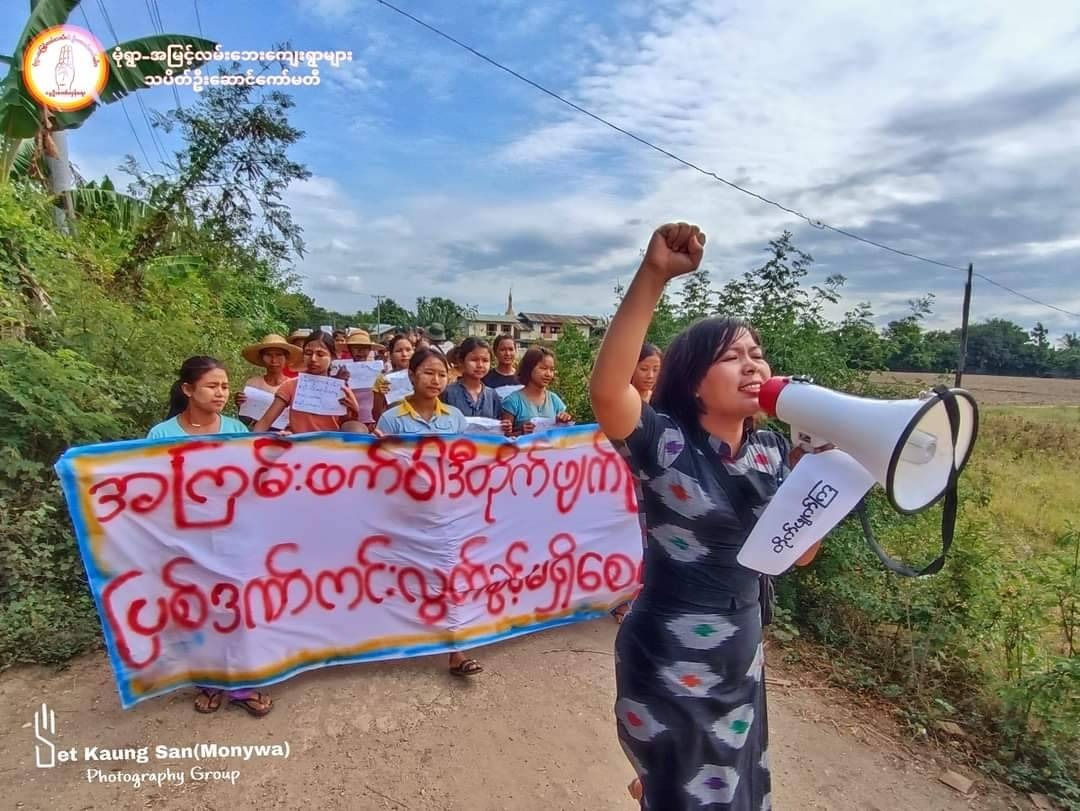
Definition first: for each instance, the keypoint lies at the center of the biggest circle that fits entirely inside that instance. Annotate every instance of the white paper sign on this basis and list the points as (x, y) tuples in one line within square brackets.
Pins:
[(316, 394), (821, 490), (362, 373), (400, 386), (506, 391), (484, 425), (256, 402), (541, 423)]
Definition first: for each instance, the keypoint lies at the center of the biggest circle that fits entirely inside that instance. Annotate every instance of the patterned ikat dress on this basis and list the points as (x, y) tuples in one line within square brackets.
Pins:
[(689, 664)]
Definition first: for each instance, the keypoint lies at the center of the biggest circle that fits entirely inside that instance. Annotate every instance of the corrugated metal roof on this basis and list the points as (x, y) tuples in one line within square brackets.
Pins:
[(495, 319), (554, 318)]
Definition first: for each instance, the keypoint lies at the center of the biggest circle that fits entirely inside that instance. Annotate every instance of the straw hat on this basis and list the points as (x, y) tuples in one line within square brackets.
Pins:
[(253, 353), (359, 337), (299, 334)]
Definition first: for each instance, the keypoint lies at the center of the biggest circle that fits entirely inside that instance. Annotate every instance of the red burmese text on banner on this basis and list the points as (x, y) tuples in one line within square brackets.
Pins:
[(242, 560)]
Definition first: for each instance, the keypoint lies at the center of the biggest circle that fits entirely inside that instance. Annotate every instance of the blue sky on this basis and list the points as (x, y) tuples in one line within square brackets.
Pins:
[(949, 131)]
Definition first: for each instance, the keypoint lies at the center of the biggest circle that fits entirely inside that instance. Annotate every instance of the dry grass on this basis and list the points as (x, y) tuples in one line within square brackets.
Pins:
[(1027, 457), (995, 390)]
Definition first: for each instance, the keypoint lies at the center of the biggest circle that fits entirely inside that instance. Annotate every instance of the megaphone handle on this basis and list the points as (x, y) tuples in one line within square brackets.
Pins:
[(801, 439)]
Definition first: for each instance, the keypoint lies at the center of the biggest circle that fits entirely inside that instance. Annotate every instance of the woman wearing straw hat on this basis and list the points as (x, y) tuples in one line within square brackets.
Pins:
[(296, 338), (275, 355)]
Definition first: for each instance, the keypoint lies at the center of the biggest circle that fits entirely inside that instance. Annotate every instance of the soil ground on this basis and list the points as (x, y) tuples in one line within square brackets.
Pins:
[(535, 731), (995, 390)]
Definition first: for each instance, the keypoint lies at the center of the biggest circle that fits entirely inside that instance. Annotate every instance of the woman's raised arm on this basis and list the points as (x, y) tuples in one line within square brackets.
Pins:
[(674, 250)]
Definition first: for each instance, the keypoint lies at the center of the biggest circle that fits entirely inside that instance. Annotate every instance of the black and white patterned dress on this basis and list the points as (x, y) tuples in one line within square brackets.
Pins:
[(689, 663)]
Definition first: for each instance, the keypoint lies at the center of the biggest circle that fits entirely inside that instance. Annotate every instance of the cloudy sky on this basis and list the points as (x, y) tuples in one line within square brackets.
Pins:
[(949, 130)]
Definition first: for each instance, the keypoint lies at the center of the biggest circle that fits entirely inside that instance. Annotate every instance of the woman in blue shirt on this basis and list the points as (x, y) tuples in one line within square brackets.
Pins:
[(195, 405), (535, 373), (469, 394)]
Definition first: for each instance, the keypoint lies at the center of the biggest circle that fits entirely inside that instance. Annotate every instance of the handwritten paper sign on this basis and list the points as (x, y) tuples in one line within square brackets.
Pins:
[(484, 426), (255, 404), (362, 373), (237, 562), (817, 495), (506, 391), (400, 386), (317, 394), (541, 423)]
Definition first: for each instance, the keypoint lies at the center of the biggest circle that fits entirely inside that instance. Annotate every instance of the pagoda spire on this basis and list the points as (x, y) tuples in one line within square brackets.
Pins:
[(510, 302)]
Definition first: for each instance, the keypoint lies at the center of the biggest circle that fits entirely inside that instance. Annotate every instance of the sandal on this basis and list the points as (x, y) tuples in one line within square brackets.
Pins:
[(468, 667), (636, 789), (208, 701), (257, 704), (619, 612)]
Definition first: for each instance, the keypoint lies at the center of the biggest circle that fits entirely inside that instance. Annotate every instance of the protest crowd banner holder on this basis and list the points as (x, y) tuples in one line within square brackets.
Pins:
[(240, 561)]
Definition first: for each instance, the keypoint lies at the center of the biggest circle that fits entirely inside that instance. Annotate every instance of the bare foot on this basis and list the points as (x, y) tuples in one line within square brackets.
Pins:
[(635, 788)]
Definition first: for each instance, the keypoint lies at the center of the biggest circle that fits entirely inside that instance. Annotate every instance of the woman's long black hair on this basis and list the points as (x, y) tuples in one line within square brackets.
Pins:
[(686, 362), (191, 372)]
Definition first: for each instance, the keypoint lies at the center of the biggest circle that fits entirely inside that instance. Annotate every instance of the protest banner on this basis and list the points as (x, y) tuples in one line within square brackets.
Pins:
[(240, 561)]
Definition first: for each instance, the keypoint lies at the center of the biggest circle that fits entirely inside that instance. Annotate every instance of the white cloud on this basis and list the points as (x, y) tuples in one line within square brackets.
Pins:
[(785, 98)]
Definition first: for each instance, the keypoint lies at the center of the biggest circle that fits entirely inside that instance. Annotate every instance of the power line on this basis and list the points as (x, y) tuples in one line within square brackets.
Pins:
[(158, 25), (1024, 295), (198, 19), (123, 107), (138, 99), (819, 224)]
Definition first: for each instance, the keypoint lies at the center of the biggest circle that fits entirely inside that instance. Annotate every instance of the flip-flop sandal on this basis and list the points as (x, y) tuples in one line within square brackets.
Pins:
[(212, 703), (470, 667), (619, 612), (261, 706)]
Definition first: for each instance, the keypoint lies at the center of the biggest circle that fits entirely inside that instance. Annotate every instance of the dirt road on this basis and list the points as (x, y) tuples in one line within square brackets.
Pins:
[(533, 732)]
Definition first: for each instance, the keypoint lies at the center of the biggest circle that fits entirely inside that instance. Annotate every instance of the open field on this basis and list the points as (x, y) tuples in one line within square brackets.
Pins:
[(995, 390)]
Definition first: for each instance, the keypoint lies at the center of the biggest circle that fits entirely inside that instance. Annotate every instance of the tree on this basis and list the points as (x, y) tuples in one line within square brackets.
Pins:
[(998, 347), (229, 178), (858, 339), (21, 118), (906, 345), (696, 298), (439, 310), (1040, 336), (390, 312)]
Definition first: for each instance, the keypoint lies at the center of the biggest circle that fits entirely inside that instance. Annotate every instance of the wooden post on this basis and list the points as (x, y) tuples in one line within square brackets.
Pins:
[(964, 328)]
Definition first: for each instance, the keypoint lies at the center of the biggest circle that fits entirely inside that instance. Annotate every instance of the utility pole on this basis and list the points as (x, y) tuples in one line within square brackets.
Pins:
[(964, 327), (378, 312)]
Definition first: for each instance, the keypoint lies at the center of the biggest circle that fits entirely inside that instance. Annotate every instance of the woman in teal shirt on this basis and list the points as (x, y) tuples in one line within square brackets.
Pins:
[(535, 373), (195, 405)]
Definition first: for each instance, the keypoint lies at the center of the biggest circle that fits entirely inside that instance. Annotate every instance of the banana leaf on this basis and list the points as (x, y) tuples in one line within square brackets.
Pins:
[(124, 80), (45, 14)]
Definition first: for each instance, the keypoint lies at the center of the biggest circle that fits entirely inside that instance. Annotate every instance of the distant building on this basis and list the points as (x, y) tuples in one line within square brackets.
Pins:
[(529, 328)]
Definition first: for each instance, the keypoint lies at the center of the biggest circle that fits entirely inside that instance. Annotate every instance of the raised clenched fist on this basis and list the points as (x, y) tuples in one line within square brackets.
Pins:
[(674, 250)]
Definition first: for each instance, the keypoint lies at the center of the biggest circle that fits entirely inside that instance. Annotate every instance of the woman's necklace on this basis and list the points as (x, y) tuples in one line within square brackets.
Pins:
[(194, 424)]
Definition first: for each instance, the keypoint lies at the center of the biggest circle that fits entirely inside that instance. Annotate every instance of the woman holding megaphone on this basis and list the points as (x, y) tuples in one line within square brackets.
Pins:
[(689, 657)]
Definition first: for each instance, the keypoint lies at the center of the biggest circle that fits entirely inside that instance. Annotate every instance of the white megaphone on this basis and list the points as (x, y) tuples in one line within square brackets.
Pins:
[(913, 448)]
